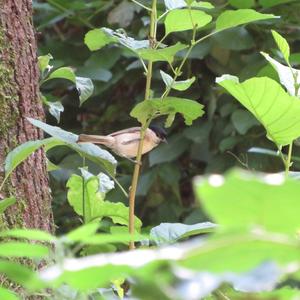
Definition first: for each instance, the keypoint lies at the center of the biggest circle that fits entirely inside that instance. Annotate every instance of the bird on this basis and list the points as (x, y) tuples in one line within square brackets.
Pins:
[(125, 142)]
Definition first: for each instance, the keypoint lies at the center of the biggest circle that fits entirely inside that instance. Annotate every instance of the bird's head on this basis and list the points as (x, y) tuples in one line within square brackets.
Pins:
[(160, 132)]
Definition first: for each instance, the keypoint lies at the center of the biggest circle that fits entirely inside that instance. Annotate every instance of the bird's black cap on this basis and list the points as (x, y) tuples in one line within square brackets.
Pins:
[(159, 131)]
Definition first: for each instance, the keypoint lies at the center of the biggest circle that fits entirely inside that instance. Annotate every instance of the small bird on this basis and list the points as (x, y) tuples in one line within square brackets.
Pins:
[(125, 142)]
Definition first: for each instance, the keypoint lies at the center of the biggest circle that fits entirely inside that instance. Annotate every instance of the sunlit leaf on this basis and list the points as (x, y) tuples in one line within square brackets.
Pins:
[(277, 111), (63, 73), (254, 203), (286, 75), (242, 3), (282, 45), (233, 18), (43, 62), (185, 19)]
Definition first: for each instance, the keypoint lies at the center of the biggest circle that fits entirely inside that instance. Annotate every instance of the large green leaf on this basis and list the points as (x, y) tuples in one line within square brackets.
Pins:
[(5, 203), (233, 18), (20, 274), (88, 150), (92, 197), (257, 202), (7, 294), (20, 249), (189, 109), (277, 111), (185, 19), (286, 75), (240, 252), (95, 206), (165, 54), (30, 234)]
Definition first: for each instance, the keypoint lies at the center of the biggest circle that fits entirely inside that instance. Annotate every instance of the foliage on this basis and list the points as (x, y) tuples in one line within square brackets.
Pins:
[(251, 248)]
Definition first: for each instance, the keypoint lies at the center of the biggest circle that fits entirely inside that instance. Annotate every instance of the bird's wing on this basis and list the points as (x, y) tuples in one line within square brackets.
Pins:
[(131, 141), (128, 130)]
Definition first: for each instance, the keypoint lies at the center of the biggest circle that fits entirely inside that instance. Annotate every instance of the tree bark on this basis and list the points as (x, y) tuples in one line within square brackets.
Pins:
[(19, 98)]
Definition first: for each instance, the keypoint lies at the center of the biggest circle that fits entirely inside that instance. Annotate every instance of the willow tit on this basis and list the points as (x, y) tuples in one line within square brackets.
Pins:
[(125, 142)]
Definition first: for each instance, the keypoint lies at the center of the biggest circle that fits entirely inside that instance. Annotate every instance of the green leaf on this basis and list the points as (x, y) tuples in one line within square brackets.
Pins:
[(20, 274), (286, 74), (255, 202), (7, 294), (171, 232), (19, 249), (43, 62), (88, 150), (20, 153), (5, 203), (173, 4), (165, 54), (242, 3), (277, 111), (55, 108), (233, 18), (227, 251), (185, 19), (85, 88), (176, 85), (91, 195), (95, 39), (82, 232), (242, 121), (149, 109), (30, 234), (271, 3), (283, 45), (95, 206), (63, 73)]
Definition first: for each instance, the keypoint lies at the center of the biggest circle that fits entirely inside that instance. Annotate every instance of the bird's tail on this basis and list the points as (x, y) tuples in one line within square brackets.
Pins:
[(95, 139)]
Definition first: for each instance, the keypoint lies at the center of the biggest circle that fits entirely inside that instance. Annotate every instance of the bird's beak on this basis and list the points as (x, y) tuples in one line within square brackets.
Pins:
[(164, 140)]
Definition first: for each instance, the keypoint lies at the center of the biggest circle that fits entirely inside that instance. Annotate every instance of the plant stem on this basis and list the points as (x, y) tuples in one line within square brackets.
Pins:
[(137, 166), (83, 192), (288, 161), (141, 5)]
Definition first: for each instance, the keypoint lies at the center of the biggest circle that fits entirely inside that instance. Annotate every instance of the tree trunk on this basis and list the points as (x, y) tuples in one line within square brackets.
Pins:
[(19, 98)]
